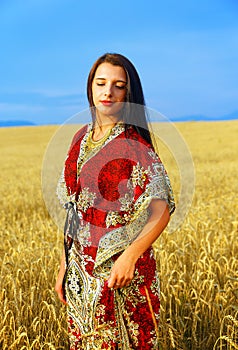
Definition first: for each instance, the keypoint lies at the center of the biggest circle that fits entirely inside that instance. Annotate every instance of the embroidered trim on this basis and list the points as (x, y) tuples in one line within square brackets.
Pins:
[(62, 192), (115, 217), (85, 199), (139, 175)]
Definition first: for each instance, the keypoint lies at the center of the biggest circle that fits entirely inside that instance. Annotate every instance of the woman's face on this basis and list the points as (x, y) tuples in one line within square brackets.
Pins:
[(109, 89)]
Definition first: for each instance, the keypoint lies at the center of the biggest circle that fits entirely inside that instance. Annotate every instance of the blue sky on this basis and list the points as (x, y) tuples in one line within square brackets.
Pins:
[(186, 53)]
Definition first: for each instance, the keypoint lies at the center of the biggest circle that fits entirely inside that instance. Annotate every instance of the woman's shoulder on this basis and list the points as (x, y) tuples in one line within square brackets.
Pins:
[(141, 148), (79, 135), (134, 134)]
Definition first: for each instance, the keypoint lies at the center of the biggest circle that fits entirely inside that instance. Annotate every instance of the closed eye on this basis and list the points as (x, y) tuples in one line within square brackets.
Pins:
[(121, 87)]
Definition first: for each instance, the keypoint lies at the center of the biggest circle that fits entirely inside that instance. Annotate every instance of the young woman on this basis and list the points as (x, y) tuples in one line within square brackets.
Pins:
[(119, 201)]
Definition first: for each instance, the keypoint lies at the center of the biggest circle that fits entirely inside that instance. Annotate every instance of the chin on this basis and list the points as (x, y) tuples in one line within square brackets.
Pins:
[(108, 111)]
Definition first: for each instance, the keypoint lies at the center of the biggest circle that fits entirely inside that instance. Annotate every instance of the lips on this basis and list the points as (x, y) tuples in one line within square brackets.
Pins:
[(106, 102)]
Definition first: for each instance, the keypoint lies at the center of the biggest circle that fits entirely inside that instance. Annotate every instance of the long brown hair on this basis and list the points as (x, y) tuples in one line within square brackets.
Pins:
[(135, 114)]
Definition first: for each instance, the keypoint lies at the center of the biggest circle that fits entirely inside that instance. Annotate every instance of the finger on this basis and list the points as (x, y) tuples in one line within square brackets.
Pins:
[(124, 284), (117, 285), (61, 297), (114, 282), (111, 282), (63, 301)]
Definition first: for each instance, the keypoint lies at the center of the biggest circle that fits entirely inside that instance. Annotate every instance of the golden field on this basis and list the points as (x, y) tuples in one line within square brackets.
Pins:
[(198, 262)]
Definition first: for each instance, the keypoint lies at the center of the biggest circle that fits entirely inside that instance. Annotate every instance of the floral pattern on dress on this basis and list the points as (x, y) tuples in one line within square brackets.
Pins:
[(139, 175), (112, 187), (85, 199)]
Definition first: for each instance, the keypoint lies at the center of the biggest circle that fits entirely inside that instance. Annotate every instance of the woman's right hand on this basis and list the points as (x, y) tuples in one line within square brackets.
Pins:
[(60, 290), (59, 282)]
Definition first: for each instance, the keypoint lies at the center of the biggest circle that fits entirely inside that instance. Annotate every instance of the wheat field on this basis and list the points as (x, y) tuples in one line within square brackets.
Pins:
[(198, 262)]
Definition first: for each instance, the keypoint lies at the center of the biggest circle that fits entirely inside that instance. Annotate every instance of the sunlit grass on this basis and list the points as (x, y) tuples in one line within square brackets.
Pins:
[(198, 263)]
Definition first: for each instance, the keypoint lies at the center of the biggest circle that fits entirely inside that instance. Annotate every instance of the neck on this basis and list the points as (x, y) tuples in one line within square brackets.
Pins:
[(104, 122), (101, 129)]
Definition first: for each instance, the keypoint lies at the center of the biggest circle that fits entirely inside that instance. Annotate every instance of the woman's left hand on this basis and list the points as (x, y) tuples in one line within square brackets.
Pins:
[(122, 272)]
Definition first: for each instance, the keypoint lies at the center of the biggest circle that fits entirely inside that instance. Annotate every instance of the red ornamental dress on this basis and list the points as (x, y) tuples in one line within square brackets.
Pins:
[(110, 186)]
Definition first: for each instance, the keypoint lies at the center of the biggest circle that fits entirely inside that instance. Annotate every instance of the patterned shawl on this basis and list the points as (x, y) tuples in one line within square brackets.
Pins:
[(111, 186)]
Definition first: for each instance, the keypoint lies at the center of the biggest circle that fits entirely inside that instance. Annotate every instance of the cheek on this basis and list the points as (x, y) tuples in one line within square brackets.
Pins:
[(95, 94), (121, 96)]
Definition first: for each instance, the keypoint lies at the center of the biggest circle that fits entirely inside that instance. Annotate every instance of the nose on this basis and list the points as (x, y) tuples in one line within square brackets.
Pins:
[(108, 90)]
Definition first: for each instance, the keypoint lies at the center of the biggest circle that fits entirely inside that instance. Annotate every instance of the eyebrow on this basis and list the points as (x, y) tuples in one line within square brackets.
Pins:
[(118, 81)]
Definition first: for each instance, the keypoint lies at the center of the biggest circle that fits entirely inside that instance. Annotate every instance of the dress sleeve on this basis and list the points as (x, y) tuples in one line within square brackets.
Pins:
[(67, 182), (139, 177), (62, 191), (145, 180), (150, 180)]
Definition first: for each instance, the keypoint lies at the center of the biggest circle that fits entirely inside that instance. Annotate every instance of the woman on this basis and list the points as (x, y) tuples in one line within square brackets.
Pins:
[(119, 201)]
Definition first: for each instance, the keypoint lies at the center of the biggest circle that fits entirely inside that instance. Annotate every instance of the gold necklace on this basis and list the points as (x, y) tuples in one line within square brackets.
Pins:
[(91, 143)]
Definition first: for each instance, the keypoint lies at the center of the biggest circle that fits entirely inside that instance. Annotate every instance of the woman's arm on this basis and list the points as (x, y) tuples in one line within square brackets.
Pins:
[(123, 270), (59, 282)]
